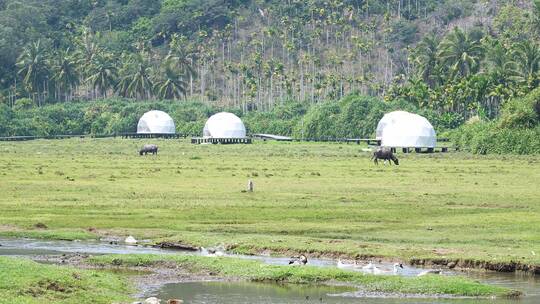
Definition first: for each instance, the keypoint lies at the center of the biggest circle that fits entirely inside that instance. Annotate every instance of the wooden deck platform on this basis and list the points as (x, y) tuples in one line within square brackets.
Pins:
[(122, 135), (223, 141), (422, 150), (271, 137), (152, 135), (369, 141)]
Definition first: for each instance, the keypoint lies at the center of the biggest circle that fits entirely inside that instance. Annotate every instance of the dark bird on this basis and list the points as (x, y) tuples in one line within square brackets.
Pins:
[(299, 260)]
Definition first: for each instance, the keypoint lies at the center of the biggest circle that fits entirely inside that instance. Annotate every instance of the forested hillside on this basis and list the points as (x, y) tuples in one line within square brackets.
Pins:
[(453, 58), (451, 55)]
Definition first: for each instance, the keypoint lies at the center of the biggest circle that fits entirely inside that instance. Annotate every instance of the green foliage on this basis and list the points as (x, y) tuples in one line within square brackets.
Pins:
[(352, 117), (23, 104), (517, 131), (280, 121), (522, 112), (488, 138)]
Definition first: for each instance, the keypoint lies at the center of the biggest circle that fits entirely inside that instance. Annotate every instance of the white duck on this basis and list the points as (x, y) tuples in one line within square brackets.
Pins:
[(130, 240), (371, 268)]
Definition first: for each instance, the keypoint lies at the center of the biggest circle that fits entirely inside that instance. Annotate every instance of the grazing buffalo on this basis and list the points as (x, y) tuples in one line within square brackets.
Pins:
[(385, 154), (148, 149)]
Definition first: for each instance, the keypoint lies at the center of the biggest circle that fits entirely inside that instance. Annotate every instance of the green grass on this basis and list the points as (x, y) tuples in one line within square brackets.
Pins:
[(319, 198), (26, 282), (256, 271)]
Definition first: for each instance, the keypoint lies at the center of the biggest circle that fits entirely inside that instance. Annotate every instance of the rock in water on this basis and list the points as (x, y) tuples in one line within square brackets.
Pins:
[(152, 300), (130, 240), (175, 301)]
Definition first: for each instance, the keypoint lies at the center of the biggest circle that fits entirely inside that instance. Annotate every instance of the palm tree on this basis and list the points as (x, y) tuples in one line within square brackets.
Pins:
[(135, 81), (181, 59), (65, 75), (86, 50), (427, 60), (33, 67), (460, 54), (102, 73), (501, 66), (527, 58), (170, 85)]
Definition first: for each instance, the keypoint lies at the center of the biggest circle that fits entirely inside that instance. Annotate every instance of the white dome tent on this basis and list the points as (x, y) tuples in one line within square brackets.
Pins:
[(224, 125), (404, 129), (156, 122)]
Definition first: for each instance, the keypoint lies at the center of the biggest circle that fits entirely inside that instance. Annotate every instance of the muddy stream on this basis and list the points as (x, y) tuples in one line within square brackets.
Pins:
[(246, 292)]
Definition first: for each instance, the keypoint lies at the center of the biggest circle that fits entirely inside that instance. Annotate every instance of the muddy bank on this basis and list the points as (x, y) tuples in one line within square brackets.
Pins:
[(145, 279), (462, 264), (475, 264)]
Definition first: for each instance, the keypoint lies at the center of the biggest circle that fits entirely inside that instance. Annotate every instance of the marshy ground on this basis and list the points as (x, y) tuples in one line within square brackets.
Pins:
[(322, 199)]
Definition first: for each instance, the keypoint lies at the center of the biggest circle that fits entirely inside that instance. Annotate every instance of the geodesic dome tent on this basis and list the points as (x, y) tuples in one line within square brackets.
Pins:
[(156, 122), (224, 125), (404, 129)]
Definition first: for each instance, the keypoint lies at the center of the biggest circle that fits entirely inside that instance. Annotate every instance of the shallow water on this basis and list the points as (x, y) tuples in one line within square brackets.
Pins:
[(261, 293), (226, 292), (29, 247)]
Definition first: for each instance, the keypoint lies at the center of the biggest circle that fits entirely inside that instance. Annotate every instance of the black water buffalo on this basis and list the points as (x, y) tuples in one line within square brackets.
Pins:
[(148, 149), (384, 154)]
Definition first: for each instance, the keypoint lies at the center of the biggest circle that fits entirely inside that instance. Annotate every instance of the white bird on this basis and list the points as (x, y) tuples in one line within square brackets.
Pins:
[(430, 271), (371, 268), (397, 268), (130, 240), (152, 300)]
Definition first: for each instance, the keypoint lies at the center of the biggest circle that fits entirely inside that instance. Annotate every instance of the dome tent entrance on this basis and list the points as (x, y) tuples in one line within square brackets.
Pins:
[(404, 129), (156, 122), (224, 125)]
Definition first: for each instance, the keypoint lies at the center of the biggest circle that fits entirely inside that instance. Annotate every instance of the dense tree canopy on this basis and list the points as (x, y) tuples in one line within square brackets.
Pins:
[(458, 57)]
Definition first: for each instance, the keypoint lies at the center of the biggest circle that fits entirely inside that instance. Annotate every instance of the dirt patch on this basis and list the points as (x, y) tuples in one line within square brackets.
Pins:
[(41, 226), (44, 286)]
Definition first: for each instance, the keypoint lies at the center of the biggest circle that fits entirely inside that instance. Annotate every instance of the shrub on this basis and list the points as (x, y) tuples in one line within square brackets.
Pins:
[(521, 112), (23, 104)]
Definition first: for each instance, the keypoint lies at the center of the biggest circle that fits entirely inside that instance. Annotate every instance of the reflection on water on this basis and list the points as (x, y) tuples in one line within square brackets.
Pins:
[(48, 247), (259, 293), (243, 292)]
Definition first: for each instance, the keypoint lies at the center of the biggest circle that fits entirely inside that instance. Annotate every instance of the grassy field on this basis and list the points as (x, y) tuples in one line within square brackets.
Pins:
[(26, 282), (309, 197)]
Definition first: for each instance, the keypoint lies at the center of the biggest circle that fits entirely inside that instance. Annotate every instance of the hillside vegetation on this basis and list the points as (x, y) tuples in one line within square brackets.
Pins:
[(455, 59)]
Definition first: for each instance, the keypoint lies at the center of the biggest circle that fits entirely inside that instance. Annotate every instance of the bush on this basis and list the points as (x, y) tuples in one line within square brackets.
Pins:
[(521, 112), (352, 117), (23, 104), (490, 138)]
